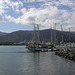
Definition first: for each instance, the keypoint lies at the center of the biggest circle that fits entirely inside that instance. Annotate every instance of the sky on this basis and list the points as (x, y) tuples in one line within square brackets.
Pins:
[(23, 14)]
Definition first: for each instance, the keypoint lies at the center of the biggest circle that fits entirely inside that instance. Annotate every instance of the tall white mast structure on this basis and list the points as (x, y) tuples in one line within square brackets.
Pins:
[(34, 33), (55, 34), (62, 33), (38, 40), (69, 38), (51, 35)]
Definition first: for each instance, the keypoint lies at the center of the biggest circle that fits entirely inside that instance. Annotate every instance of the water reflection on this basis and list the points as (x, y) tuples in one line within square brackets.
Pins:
[(20, 61)]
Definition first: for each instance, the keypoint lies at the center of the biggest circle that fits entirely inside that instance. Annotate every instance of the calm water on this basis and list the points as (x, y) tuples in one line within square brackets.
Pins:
[(17, 60)]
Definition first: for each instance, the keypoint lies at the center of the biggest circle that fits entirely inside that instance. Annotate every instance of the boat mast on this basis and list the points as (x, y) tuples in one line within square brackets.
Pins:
[(62, 33), (69, 38), (55, 33), (34, 33), (51, 36), (38, 40)]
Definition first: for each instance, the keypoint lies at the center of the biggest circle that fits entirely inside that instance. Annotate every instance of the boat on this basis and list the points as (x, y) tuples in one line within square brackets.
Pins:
[(36, 45)]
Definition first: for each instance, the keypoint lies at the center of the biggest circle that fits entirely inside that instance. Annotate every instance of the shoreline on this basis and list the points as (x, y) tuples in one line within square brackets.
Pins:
[(68, 53)]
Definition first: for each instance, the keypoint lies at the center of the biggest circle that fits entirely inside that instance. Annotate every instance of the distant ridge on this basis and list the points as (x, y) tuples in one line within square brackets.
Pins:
[(19, 36), (3, 33)]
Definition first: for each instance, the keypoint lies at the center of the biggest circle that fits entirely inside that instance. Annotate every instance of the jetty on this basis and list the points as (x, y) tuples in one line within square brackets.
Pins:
[(67, 52)]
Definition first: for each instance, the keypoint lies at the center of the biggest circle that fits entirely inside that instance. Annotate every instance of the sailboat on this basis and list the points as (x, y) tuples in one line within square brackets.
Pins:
[(36, 45)]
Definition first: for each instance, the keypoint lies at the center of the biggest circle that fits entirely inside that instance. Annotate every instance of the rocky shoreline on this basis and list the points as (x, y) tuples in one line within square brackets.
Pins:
[(68, 53)]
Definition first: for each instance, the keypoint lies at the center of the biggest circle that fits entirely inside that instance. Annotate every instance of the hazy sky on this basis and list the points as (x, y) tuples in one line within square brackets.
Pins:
[(23, 14)]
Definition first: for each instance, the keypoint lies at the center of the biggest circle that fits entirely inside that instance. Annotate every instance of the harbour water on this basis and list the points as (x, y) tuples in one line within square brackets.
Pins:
[(17, 60)]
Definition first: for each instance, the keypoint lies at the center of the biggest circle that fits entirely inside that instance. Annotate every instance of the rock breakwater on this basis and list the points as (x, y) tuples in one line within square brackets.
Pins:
[(68, 53)]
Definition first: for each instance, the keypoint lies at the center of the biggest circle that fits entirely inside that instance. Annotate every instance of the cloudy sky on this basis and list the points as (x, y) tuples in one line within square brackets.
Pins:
[(23, 14)]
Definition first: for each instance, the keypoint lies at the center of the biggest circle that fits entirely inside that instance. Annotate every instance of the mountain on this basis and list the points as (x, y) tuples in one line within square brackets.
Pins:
[(16, 36), (73, 32), (3, 33), (44, 35)]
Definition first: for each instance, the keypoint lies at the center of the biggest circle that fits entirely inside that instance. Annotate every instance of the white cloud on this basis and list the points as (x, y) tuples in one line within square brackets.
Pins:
[(8, 4), (16, 4), (73, 17), (1, 7), (65, 14), (1, 18), (38, 16), (23, 10), (70, 3), (27, 1), (47, 14)]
